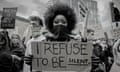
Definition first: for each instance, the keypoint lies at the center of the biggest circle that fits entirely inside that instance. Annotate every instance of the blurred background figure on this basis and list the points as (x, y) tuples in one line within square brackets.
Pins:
[(35, 24), (116, 53), (37, 36), (97, 61), (16, 43), (102, 58), (17, 50), (6, 61), (108, 54)]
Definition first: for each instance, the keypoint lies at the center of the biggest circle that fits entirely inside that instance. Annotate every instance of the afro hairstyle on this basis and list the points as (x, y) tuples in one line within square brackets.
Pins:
[(60, 9)]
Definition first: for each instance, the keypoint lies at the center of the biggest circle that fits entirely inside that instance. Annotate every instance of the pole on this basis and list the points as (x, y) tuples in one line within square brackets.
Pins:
[(85, 25)]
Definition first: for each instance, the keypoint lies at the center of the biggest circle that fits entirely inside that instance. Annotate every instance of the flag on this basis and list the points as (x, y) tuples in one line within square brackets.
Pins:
[(82, 9)]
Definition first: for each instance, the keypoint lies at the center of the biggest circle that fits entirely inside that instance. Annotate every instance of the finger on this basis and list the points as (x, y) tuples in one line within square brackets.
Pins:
[(29, 63), (27, 59)]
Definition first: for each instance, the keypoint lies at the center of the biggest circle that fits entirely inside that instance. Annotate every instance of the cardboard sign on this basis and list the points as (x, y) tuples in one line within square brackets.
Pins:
[(8, 18), (61, 56)]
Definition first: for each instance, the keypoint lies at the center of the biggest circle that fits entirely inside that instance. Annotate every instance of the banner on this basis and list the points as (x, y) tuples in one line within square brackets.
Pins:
[(61, 56), (8, 18)]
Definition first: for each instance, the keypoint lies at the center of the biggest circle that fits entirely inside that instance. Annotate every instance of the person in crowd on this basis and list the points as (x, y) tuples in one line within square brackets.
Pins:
[(37, 36), (102, 56), (107, 53), (116, 54), (28, 34), (17, 47), (7, 63), (17, 50), (97, 59), (5, 58), (60, 20)]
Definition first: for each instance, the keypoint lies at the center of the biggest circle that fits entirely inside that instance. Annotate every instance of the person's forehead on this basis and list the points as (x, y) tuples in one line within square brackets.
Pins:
[(34, 23), (60, 17)]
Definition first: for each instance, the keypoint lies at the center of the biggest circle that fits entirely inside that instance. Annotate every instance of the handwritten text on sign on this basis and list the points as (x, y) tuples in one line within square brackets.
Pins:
[(75, 56)]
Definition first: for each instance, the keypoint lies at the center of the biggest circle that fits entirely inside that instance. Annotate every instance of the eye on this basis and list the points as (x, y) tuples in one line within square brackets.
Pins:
[(56, 22), (64, 22)]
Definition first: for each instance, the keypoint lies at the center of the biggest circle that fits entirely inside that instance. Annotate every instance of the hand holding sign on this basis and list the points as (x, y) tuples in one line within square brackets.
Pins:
[(28, 59)]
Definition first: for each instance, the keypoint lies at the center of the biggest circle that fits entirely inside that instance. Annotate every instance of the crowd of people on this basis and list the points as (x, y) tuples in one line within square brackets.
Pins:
[(11, 52), (60, 20)]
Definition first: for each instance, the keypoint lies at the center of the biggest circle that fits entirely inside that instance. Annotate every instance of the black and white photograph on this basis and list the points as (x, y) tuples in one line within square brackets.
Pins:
[(59, 35)]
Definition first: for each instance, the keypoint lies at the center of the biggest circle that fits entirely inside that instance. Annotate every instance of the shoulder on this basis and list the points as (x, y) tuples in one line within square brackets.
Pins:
[(40, 38), (29, 42), (75, 37)]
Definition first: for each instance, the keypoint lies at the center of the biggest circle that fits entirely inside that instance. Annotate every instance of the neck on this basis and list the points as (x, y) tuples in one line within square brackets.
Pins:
[(63, 38)]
